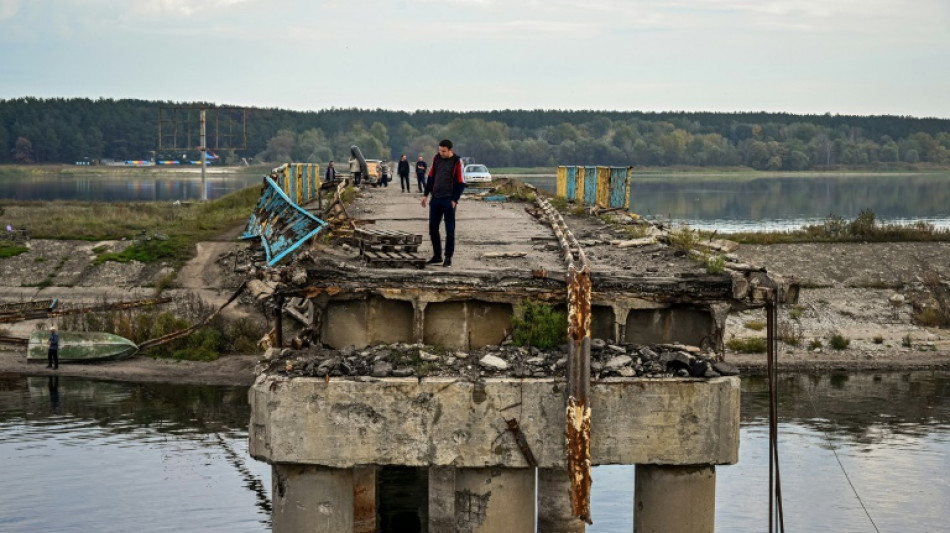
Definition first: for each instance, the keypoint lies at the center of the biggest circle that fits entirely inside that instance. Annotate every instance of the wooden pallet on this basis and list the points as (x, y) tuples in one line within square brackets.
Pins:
[(388, 237), (393, 259), (381, 247)]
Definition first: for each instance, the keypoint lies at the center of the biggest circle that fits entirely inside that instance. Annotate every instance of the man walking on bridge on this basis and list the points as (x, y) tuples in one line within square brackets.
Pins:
[(445, 184)]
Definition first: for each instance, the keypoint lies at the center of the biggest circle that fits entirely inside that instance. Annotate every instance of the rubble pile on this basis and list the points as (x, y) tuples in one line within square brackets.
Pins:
[(418, 360)]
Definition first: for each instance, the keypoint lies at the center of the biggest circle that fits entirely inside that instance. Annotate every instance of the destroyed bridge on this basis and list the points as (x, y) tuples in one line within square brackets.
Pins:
[(379, 360)]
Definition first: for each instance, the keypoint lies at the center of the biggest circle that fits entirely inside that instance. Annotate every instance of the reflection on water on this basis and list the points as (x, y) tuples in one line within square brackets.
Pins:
[(890, 431), (102, 456), (733, 203), (81, 455), (120, 185)]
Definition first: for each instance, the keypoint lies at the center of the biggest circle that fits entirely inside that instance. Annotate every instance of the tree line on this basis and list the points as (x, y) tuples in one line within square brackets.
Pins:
[(60, 130)]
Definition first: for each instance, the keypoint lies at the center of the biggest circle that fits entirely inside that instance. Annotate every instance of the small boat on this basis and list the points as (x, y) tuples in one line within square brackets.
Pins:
[(81, 347)]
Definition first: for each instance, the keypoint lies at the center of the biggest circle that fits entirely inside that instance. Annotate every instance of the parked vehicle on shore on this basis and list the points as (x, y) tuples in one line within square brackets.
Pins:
[(476, 173)]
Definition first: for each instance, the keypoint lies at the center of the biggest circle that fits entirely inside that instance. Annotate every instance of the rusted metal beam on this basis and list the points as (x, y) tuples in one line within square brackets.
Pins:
[(515, 429), (578, 361)]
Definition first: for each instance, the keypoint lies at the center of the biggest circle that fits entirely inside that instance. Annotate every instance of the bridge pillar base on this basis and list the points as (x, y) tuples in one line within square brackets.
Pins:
[(656, 487)]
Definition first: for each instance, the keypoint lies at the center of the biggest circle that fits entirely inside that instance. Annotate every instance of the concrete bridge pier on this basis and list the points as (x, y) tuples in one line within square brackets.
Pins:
[(312, 498), (658, 486), (494, 499), (554, 503), (364, 499)]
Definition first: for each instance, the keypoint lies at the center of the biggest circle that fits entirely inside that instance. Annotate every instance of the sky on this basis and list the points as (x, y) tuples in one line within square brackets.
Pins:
[(849, 57)]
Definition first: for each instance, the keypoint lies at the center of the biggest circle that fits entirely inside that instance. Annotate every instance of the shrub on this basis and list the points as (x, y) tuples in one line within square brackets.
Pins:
[(748, 344), (715, 264), (755, 325), (538, 324), (815, 344), (790, 333), (839, 342), (684, 239), (559, 203), (878, 339)]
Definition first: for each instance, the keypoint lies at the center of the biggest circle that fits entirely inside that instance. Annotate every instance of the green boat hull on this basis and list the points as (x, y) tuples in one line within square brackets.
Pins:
[(81, 347)]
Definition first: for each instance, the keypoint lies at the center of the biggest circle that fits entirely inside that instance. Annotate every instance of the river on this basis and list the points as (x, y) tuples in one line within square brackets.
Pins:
[(760, 201), (85, 455)]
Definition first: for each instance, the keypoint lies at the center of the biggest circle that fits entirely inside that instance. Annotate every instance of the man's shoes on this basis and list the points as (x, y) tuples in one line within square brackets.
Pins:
[(448, 262), (434, 261), (49, 366)]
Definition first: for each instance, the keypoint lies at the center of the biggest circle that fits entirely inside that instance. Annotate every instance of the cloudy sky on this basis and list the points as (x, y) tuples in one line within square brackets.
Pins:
[(864, 57)]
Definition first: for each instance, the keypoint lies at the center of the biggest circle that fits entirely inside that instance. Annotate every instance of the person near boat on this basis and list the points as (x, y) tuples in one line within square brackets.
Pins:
[(52, 353)]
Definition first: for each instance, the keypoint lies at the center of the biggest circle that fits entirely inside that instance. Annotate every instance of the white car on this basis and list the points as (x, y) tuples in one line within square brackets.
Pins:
[(476, 174)]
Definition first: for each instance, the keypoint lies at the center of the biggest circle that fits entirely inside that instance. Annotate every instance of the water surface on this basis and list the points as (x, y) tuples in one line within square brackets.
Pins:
[(770, 201), (84, 455)]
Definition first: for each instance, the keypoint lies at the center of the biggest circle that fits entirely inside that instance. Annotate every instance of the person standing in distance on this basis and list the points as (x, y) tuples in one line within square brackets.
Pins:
[(52, 355), (403, 172), (421, 167), (331, 173), (445, 184)]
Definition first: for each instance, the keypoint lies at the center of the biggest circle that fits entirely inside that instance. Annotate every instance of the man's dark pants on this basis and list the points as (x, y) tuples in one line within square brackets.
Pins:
[(404, 182), (421, 181), (52, 358), (439, 209)]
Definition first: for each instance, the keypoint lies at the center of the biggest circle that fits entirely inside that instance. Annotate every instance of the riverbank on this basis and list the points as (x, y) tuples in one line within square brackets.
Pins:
[(861, 294)]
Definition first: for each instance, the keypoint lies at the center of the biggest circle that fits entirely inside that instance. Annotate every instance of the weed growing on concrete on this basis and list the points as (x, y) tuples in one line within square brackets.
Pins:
[(907, 341), (715, 263), (538, 324), (684, 239), (878, 339), (559, 203), (815, 344)]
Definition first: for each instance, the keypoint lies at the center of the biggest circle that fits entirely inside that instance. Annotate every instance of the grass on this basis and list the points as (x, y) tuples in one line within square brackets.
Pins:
[(864, 228), (91, 221), (755, 325), (748, 344), (10, 249)]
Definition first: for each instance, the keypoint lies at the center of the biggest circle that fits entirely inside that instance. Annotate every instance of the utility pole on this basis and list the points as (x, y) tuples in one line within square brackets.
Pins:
[(204, 158)]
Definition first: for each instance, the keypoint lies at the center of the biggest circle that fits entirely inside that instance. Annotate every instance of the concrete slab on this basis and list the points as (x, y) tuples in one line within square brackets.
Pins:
[(450, 422)]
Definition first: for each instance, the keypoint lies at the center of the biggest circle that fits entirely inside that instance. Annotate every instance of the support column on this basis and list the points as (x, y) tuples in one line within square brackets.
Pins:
[(364, 499), (658, 489), (494, 499), (554, 503), (620, 323), (312, 498), (418, 320), (442, 499)]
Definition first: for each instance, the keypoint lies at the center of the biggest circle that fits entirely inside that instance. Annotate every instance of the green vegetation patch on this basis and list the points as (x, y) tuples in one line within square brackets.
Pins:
[(538, 324), (175, 249), (864, 228), (10, 249), (747, 344)]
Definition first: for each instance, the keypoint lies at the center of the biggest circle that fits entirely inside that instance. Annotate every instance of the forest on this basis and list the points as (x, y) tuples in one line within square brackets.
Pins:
[(69, 130)]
